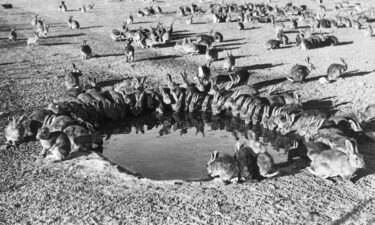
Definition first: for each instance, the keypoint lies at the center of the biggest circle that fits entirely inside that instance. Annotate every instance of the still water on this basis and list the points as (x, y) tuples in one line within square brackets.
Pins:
[(179, 146)]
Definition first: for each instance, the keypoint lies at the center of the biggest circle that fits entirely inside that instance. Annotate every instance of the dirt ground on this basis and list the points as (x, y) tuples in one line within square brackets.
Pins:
[(90, 190)]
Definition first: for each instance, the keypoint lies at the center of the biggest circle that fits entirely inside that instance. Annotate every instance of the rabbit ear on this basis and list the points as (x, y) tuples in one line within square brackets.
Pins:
[(251, 134), (141, 96), (320, 123), (292, 117), (181, 97), (266, 110), (21, 119), (274, 110), (297, 98), (238, 146), (349, 147)]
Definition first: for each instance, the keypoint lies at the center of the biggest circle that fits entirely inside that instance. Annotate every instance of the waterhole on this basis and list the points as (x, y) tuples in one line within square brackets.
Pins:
[(178, 146)]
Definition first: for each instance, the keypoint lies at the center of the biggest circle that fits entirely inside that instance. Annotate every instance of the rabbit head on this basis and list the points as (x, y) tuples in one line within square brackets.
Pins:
[(271, 124), (284, 122), (265, 116), (43, 133), (355, 159), (178, 101)]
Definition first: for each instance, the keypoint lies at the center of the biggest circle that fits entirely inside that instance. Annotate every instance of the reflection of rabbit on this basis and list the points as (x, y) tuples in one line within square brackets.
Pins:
[(264, 159)]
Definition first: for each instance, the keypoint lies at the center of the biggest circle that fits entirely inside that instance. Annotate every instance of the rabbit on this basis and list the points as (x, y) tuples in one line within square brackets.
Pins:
[(190, 20), (298, 73), (179, 100), (15, 130), (13, 35), (57, 122), (130, 19), (240, 25), (83, 9), (265, 116), (368, 32), (246, 160), (283, 38), (34, 20), (229, 62), (272, 44), (105, 105), (333, 137), (225, 166), (80, 138), (73, 24), (37, 118), (257, 113), (368, 115), (264, 160), (237, 104), (62, 7), (72, 78), (212, 55), (116, 35), (56, 142), (305, 121), (331, 163), (284, 99), (217, 36), (32, 41), (278, 114), (86, 51), (356, 24), (335, 70), (40, 22), (188, 47), (129, 50), (42, 30)]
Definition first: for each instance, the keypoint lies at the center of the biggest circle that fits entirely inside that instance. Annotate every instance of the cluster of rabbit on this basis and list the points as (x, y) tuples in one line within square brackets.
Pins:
[(42, 29), (70, 123)]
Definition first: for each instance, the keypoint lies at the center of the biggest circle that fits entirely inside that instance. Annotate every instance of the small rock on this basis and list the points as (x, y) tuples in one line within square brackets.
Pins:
[(323, 80)]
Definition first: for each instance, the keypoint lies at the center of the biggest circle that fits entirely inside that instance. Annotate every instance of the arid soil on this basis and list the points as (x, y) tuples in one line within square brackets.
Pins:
[(90, 190)]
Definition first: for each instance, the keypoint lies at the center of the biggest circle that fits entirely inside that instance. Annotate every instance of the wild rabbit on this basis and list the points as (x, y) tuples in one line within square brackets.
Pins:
[(225, 167), (229, 62), (129, 50), (264, 160), (80, 138), (335, 70), (62, 7), (73, 24), (298, 73), (57, 122), (57, 143), (32, 41), (15, 130), (246, 160), (331, 163), (72, 78), (13, 35), (34, 20), (86, 51)]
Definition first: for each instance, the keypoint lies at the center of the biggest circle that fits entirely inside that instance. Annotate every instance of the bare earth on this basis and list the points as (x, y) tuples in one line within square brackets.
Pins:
[(90, 190)]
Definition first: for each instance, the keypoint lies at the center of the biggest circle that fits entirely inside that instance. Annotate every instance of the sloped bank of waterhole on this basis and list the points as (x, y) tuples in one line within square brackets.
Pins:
[(171, 147)]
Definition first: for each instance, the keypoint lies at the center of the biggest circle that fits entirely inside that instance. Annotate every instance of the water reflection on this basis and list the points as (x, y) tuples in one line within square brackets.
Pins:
[(178, 146)]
